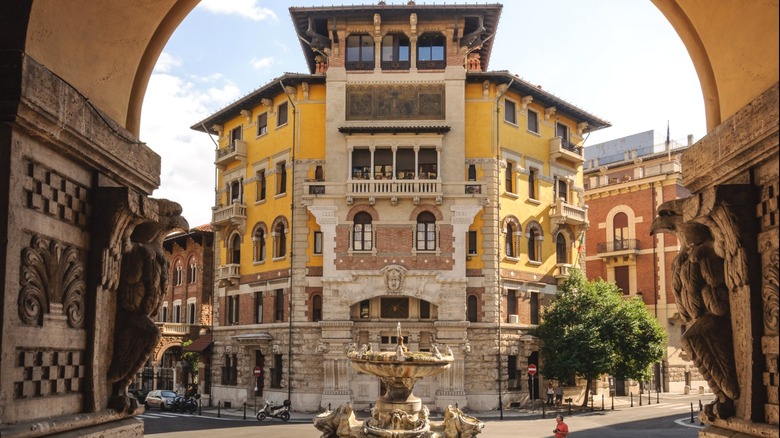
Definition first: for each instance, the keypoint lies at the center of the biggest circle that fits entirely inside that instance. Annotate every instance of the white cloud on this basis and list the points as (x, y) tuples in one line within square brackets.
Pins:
[(173, 104), (262, 63), (245, 8), (166, 62)]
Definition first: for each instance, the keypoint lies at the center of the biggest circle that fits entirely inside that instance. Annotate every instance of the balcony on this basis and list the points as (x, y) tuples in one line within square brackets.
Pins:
[(561, 212), (564, 149), (394, 189), (618, 247), (228, 274), (562, 271), (236, 151), (234, 213)]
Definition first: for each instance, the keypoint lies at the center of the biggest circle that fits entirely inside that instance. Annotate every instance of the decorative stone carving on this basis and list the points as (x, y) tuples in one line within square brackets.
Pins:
[(710, 268), (394, 277), (394, 102), (142, 282), (52, 274)]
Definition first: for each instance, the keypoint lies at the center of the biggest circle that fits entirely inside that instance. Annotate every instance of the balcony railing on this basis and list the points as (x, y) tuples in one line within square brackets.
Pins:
[(561, 148), (359, 65), (566, 213), (624, 245), (395, 189), (173, 328), (236, 151), (229, 273), (232, 214), (396, 65)]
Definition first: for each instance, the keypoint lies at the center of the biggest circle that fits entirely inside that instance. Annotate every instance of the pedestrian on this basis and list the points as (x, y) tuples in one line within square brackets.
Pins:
[(559, 395), (561, 428), (550, 394)]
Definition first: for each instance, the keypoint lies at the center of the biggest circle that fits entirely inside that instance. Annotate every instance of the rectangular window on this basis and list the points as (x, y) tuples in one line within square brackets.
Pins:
[(404, 163), (232, 309), (622, 280), (509, 176), (276, 376), (281, 178), (532, 174), (262, 124), (279, 305), (364, 310), (395, 308), (260, 185), (472, 243), (318, 242), (533, 121), (562, 131), (281, 115), (235, 135), (258, 307), (191, 313), (534, 308), (511, 302), (511, 368), (425, 309), (510, 112)]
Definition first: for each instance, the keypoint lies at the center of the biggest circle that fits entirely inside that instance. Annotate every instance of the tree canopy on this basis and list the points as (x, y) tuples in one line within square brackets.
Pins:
[(591, 330)]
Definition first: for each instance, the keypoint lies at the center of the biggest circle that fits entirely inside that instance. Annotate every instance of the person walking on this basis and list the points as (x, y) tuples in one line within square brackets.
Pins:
[(561, 428), (559, 395), (550, 394)]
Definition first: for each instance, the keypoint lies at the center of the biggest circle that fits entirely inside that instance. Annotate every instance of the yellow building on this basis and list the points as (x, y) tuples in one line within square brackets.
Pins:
[(392, 183)]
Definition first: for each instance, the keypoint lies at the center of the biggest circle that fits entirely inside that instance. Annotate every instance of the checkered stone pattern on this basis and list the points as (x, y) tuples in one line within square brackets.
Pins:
[(55, 195), (45, 373), (767, 207)]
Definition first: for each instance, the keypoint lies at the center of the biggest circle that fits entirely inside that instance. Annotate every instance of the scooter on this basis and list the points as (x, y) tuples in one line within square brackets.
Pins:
[(281, 412), (188, 405)]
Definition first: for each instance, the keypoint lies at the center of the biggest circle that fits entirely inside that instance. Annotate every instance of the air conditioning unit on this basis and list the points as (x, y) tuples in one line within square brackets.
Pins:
[(514, 319)]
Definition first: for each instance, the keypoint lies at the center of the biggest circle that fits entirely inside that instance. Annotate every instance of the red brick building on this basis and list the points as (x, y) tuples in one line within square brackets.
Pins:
[(625, 182)]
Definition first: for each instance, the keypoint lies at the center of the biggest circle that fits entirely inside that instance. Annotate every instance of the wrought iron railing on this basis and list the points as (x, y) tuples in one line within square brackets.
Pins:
[(618, 245)]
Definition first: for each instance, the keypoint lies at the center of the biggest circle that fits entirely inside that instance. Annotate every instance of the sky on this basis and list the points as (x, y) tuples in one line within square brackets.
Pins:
[(620, 60)]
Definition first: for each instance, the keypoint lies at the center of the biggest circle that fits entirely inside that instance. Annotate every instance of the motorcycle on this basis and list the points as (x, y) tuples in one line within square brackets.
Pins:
[(188, 405), (281, 412)]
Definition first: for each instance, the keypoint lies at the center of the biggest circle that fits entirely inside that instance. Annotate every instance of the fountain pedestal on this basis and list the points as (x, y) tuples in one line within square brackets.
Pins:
[(398, 413)]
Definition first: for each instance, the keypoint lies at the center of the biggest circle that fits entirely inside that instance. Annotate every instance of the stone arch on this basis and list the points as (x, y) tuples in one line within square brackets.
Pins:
[(610, 221), (429, 208), (511, 219), (362, 208)]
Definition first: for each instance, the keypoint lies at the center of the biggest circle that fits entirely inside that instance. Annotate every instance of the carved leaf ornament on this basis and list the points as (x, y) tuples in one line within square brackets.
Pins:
[(51, 272)]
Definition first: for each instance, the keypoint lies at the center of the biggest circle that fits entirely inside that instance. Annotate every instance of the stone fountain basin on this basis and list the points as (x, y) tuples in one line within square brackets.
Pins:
[(416, 366)]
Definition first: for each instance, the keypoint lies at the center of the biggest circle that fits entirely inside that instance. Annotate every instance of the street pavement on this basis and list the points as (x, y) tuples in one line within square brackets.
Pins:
[(668, 416)]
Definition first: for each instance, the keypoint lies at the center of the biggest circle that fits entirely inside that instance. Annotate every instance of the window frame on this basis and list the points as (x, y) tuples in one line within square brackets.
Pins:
[(535, 127), (262, 124), (365, 49), (362, 232), (317, 244), (425, 232), (393, 60), (281, 178), (431, 60), (282, 114), (510, 104)]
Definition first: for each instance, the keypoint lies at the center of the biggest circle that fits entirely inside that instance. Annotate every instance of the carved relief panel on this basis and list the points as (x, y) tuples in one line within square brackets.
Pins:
[(395, 102)]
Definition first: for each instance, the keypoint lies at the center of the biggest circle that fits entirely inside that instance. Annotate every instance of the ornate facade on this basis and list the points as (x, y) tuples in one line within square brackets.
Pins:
[(75, 176), (390, 185)]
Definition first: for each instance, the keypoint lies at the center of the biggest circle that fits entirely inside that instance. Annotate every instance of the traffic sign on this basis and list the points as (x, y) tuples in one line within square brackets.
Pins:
[(258, 371), (532, 369)]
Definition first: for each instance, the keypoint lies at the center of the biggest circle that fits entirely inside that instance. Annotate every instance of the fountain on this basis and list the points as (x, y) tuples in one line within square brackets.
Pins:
[(398, 413)]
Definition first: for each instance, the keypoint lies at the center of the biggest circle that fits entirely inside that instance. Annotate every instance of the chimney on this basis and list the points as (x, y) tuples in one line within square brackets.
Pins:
[(690, 139)]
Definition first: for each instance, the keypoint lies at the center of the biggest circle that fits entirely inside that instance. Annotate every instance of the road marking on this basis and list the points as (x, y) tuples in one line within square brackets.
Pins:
[(687, 423)]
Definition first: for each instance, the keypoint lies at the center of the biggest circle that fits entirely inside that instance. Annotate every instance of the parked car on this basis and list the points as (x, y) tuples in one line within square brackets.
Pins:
[(139, 395), (160, 398)]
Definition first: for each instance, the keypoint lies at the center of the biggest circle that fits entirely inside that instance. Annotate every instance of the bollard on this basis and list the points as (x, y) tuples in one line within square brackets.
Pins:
[(701, 408), (569, 406), (648, 397), (219, 404), (613, 403), (328, 406), (640, 399), (456, 405), (692, 413), (632, 399), (200, 407), (543, 412), (602, 402), (591, 402), (244, 410), (657, 397)]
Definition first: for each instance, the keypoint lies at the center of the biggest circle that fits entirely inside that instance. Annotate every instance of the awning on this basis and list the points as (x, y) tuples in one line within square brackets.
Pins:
[(200, 344)]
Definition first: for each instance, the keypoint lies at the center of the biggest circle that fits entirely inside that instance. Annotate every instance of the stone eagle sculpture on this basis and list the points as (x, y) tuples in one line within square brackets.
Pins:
[(702, 296), (143, 279)]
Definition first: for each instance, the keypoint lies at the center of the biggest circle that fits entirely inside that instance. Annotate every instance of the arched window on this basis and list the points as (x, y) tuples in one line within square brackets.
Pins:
[(258, 243), (395, 52), (510, 240), (316, 308), (561, 253), (192, 272), (430, 51), (281, 240), (360, 52), (236, 194), (620, 231), (426, 231), (235, 249), (362, 234), (534, 244), (471, 308), (177, 275)]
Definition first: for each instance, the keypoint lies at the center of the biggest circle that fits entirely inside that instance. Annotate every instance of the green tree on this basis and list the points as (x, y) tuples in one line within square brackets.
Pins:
[(192, 359), (590, 330)]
